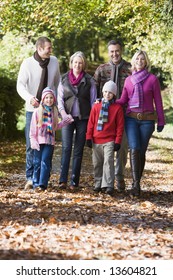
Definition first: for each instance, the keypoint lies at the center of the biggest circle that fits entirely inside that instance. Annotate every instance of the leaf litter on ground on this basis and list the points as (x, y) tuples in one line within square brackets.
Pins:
[(59, 224)]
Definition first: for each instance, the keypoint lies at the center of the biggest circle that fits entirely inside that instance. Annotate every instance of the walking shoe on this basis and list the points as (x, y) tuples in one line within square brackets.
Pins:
[(28, 185), (42, 187), (135, 189), (103, 190), (38, 189), (62, 186), (97, 189), (121, 186), (73, 188), (109, 191)]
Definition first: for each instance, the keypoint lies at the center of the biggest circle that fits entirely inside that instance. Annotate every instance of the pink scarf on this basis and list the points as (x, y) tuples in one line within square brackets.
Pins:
[(137, 78), (73, 80)]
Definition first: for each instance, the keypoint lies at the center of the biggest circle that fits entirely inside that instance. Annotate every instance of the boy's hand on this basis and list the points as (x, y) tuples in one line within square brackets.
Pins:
[(98, 100), (89, 143), (116, 147)]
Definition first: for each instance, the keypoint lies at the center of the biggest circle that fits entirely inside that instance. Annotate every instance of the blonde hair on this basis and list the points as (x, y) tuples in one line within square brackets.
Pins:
[(55, 114), (82, 56), (148, 64)]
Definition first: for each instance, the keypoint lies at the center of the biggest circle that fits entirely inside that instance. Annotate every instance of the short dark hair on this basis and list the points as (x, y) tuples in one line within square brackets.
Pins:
[(115, 42), (41, 41)]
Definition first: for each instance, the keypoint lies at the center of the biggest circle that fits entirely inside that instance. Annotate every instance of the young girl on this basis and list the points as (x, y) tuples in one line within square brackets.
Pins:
[(44, 122)]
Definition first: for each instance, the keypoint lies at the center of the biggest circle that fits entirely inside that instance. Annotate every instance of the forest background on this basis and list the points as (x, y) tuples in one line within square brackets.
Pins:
[(79, 25), (84, 225)]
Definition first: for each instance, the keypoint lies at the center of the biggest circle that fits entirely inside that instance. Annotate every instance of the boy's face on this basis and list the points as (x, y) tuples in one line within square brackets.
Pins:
[(107, 95)]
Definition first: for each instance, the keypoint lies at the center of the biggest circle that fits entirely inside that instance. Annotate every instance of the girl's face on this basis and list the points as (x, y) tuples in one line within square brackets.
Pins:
[(77, 65), (49, 99), (140, 62), (107, 95)]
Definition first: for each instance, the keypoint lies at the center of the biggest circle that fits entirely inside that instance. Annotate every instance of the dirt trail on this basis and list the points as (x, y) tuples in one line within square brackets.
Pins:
[(84, 225)]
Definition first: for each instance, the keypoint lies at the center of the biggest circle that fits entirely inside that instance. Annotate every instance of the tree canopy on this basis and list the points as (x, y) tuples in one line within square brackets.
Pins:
[(84, 22), (87, 26)]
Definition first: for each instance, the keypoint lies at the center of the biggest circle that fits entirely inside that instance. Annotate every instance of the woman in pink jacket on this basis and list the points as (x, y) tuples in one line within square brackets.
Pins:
[(44, 123), (142, 96)]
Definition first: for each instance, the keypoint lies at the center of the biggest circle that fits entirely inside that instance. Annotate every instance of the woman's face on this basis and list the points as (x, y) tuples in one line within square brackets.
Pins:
[(77, 65), (140, 62)]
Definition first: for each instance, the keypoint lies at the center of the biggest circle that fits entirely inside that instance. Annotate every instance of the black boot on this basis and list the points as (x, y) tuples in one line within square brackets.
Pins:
[(142, 164), (135, 162)]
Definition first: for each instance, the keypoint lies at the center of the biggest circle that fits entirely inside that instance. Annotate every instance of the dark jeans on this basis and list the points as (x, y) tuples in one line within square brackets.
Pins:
[(139, 133), (29, 151), (76, 130), (42, 165)]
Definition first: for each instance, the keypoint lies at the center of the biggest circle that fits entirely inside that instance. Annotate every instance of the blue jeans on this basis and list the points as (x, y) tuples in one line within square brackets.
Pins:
[(76, 129), (139, 133), (42, 165), (29, 151)]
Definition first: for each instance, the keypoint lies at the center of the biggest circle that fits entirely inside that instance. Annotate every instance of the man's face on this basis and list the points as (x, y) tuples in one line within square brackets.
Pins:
[(115, 52), (45, 52)]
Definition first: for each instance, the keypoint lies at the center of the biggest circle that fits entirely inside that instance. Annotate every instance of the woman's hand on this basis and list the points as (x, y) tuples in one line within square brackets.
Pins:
[(160, 128), (68, 119)]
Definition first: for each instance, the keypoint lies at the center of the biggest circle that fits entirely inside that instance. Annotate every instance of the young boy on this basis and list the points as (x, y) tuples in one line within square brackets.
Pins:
[(104, 133)]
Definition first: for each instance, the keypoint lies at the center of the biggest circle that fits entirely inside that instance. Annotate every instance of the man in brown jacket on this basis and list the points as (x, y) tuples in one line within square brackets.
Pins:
[(117, 70)]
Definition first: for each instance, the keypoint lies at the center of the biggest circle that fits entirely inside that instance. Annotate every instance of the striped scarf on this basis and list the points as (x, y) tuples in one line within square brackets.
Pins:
[(103, 116), (137, 78), (46, 128)]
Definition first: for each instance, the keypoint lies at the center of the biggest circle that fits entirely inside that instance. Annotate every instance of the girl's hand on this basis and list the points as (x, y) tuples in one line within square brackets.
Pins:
[(35, 145)]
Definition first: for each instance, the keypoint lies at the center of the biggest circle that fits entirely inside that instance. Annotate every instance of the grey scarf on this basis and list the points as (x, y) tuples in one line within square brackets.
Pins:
[(115, 75)]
